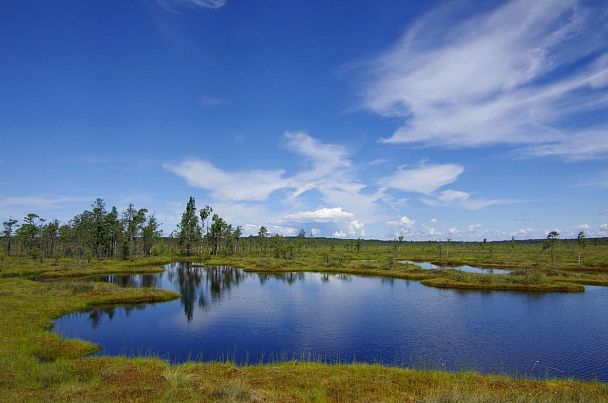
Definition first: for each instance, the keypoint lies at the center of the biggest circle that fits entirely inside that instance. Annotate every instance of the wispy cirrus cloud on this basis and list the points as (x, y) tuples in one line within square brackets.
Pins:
[(172, 5), (40, 201), (61, 207), (464, 200), (251, 185), (208, 100), (425, 179), (521, 74)]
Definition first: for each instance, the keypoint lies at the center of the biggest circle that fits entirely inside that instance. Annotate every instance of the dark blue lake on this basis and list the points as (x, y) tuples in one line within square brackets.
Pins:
[(225, 313)]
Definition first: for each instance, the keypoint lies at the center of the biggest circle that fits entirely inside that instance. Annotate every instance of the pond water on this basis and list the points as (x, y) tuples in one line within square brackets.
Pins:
[(225, 313), (467, 268)]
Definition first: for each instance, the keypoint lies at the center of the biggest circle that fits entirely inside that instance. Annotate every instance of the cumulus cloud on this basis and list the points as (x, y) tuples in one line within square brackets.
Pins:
[(519, 74), (355, 228), (281, 230), (320, 215), (473, 228), (404, 226), (523, 231), (337, 217)]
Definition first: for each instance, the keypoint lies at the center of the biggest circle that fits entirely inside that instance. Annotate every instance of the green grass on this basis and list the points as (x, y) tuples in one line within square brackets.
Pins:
[(72, 267)]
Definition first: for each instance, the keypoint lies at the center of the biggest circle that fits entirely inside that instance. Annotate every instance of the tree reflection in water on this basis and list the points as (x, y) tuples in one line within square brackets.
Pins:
[(200, 286), (97, 314)]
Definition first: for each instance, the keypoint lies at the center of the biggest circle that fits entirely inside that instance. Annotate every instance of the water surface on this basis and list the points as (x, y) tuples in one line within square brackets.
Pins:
[(467, 268), (225, 313)]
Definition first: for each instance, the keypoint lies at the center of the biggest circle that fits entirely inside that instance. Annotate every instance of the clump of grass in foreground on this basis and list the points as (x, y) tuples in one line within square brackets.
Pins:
[(27, 309), (119, 379)]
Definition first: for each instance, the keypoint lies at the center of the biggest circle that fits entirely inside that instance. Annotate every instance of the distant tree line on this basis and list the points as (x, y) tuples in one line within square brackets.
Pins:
[(93, 233), (102, 233), (107, 233)]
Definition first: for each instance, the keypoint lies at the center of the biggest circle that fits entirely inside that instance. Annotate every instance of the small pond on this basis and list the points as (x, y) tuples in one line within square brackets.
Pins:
[(226, 313), (467, 268)]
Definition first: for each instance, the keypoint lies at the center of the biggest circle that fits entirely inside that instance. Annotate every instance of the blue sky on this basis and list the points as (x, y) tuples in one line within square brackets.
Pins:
[(427, 119)]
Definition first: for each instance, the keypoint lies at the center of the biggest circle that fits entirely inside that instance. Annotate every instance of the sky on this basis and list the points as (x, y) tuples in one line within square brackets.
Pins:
[(430, 120)]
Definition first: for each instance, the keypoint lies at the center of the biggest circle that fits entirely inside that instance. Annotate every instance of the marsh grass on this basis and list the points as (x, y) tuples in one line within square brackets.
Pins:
[(520, 280), (22, 267)]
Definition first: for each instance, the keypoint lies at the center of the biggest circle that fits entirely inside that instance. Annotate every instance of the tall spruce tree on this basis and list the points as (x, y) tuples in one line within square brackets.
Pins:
[(189, 230)]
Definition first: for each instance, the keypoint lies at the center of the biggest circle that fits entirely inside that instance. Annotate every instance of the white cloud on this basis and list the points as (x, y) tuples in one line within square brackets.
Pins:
[(403, 222), (323, 158), (213, 101), (246, 185), (462, 199), (598, 180), (473, 228), (498, 78), (327, 170), (339, 234), (41, 201), (523, 231), (321, 215), (528, 219), (285, 231), (405, 226), (47, 206), (425, 179), (355, 228), (582, 227), (171, 5), (328, 218), (429, 231)]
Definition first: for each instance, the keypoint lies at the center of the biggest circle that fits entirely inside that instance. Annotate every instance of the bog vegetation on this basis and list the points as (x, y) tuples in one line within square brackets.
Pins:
[(36, 365)]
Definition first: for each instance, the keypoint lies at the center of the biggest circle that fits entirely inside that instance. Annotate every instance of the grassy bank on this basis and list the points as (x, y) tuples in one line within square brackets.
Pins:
[(72, 267)]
